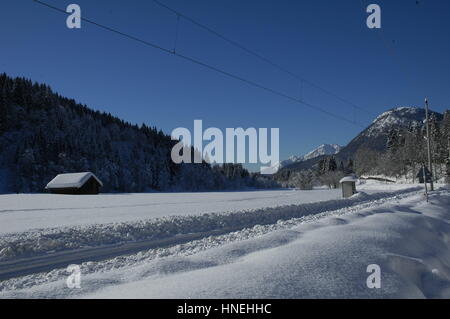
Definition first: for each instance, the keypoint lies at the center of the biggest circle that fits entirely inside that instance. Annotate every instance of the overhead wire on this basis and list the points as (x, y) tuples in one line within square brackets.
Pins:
[(262, 58), (206, 65)]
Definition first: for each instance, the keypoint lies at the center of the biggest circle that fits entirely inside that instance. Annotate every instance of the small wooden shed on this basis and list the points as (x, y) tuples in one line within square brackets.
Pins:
[(348, 185), (75, 184)]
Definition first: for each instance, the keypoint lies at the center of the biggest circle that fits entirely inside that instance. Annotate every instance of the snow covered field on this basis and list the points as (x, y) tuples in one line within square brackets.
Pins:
[(25, 212), (20, 213), (268, 244)]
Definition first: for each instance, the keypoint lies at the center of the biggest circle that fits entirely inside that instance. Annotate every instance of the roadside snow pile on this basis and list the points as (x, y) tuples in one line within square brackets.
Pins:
[(27, 244)]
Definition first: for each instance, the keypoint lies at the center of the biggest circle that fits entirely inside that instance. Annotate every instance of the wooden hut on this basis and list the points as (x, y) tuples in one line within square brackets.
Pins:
[(75, 184)]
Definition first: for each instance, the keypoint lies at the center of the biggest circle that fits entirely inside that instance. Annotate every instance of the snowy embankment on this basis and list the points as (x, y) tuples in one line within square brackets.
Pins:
[(36, 242), (322, 255)]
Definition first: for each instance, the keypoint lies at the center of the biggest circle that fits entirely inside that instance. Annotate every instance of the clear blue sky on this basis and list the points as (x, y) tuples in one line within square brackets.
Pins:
[(326, 42)]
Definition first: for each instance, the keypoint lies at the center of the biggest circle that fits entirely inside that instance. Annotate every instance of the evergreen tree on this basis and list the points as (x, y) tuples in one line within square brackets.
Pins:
[(332, 166), (349, 168)]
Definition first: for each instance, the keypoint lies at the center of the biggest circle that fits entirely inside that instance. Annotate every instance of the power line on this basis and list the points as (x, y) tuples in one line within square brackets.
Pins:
[(259, 56), (176, 34), (393, 52), (208, 66)]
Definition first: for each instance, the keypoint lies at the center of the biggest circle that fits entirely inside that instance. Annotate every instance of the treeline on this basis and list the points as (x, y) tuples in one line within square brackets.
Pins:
[(406, 152), (327, 172), (43, 134)]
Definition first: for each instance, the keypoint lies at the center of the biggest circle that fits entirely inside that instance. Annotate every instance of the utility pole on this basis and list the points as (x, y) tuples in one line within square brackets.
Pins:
[(430, 166), (448, 148), (447, 167), (425, 182)]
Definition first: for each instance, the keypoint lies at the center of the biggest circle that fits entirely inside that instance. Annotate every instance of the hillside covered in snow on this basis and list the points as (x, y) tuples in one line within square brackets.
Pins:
[(43, 134), (376, 135)]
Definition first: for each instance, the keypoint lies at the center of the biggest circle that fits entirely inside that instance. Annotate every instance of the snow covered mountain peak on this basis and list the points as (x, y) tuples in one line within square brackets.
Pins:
[(398, 111), (397, 117), (374, 137), (324, 149)]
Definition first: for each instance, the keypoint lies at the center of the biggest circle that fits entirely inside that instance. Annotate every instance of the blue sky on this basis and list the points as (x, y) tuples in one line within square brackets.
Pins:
[(326, 42)]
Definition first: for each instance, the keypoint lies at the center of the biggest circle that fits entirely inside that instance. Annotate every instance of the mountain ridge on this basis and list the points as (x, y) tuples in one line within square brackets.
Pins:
[(375, 135), (324, 149)]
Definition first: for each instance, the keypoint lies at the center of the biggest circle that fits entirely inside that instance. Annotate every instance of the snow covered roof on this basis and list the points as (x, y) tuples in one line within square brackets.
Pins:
[(349, 179), (74, 180)]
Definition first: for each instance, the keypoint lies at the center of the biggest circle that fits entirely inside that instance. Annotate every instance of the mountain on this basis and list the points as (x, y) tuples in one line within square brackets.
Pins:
[(376, 134), (324, 149)]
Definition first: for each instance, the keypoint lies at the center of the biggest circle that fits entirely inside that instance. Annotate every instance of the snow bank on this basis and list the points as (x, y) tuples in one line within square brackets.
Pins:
[(26, 244)]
